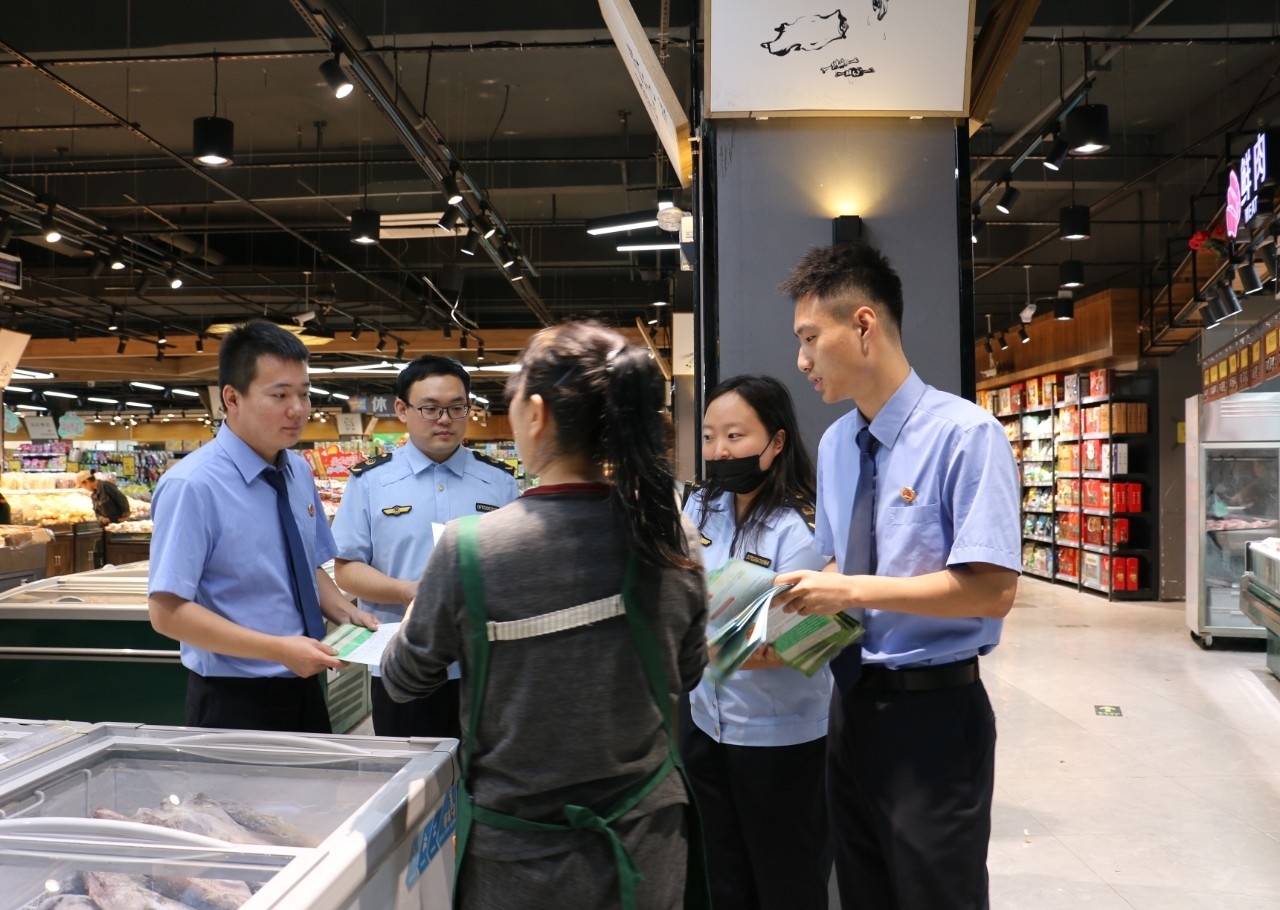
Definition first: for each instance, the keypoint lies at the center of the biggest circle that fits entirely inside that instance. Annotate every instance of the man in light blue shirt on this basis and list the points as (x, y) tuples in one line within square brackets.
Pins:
[(222, 580), (912, 738), (383, 527)]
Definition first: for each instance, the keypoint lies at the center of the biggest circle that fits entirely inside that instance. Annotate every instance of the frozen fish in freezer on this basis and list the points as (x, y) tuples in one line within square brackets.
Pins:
[(260, 822), (203, 893), (115, 891), (183, 819), (60, 902)]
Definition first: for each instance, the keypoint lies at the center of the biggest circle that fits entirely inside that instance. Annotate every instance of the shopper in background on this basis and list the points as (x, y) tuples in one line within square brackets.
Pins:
[(756, 745), (383, 527), (567, 745), (109, 504), (931, 572), (239, 537)]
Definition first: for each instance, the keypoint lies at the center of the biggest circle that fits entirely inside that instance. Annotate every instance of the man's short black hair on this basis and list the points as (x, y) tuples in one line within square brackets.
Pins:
[(425, 365), (238, 355), (833, 273)]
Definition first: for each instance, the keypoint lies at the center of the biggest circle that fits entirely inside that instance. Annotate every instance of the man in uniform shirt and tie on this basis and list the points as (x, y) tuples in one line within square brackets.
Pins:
[(918, 497), (384, 525), (237, 548)]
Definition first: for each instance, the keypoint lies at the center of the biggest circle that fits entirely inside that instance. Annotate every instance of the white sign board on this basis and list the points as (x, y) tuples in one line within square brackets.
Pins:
[(350, 425), (41, 427), (872, 57)]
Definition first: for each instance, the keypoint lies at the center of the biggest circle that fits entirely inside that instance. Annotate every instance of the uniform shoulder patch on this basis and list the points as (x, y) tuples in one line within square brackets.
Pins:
[(369, 464), (805, 510), (494, 462)]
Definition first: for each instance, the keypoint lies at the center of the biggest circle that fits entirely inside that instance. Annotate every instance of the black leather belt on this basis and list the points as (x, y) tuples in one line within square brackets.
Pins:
[(919, 679)]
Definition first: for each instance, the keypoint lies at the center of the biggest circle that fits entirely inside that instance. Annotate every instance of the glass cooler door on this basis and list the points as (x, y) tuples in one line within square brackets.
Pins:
[(1240, 505)]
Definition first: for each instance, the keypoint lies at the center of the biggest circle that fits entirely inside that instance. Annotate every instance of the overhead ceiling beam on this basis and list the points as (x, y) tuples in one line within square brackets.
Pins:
[(994, 52)]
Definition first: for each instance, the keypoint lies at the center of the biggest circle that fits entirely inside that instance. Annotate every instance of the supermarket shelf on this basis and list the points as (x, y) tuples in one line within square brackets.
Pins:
[(1037, 573), (1105, 513), (1100, 588), (1063, 576), (1037, 538), (1038, 511), (1095, 548), (1064, 542)]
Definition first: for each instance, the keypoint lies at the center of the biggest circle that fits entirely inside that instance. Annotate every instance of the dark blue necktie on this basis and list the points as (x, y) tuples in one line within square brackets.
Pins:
[(860, 555), (305, 597)]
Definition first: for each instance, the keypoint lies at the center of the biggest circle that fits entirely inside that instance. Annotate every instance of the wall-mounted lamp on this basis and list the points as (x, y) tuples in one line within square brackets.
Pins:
[(846, 229)]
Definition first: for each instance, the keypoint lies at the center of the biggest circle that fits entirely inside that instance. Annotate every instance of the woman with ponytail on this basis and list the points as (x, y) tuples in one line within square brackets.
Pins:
[(578, 614)]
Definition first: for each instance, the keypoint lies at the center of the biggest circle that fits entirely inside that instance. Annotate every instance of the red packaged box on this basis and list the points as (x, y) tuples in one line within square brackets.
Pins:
[(1119, 531), (1131, 570), (1135, 497), (1098, 382), (1118, 574), (1119, 497)]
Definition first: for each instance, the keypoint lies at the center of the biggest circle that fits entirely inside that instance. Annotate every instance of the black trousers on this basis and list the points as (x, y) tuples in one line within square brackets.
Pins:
[(910, 778), (435, 716), (765, 820), (279, 704)]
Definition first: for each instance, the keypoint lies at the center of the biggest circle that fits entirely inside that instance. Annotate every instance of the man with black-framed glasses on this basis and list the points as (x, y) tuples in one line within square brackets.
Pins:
[(383, 527)]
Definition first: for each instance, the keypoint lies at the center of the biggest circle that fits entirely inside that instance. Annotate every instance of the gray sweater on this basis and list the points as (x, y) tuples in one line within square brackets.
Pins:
[(567, 717)]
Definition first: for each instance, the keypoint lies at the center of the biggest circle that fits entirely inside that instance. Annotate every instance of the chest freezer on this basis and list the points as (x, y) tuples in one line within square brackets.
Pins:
[(229, 819), (22, 739), (81, 646)]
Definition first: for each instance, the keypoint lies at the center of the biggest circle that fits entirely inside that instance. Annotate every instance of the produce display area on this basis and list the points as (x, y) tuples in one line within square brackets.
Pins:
[(52, 497)]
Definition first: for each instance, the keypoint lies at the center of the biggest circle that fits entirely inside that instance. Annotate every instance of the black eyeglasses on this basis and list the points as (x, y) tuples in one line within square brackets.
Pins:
[(431, 412)]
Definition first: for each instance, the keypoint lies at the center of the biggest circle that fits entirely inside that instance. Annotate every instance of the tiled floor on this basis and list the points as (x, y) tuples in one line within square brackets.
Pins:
[(1174, 805)]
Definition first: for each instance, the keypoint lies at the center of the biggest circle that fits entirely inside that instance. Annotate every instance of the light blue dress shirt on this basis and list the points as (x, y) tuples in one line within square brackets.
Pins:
[(775, 707), (398, 545), (217, 541), (947, 494)]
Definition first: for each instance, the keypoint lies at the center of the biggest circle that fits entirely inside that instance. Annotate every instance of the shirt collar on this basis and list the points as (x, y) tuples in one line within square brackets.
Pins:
[(418, 460), (893, 416), (725, 506), (248, 462)]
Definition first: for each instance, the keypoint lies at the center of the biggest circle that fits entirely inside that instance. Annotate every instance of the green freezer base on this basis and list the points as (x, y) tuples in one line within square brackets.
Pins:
[(112, 686)]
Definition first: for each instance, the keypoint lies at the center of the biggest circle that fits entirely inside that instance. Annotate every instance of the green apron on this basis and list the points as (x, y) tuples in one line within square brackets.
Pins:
[(581, 818)]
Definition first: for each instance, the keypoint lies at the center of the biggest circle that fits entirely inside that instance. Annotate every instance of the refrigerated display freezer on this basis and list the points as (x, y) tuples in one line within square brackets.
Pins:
[(265, 821), (81, 647), (22, 739)]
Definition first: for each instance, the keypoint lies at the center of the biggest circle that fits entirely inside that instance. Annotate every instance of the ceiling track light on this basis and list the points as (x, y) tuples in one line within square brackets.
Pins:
[(49, 226), (6, 233), (989, 345), (162, 337), (1004, 341), (1230, 302), (97, 267), (399, 350), (365, 226), (1009, 199), (976, 228), (480, 352), (331, 70), (1074, 222), (1250, 283), (175, 280), (452, 194), (1064, 308), (121, 344), (143, 285), (200, 343), (471, 243), (382, 342), (114, 322), (449, 217), (1087, 129), (1057, 154), (1022, 334), (74, 335), (1070, 273), (116, 259)]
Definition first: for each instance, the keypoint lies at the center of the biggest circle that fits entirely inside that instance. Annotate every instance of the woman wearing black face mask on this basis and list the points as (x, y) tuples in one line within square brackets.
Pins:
[(754, 744)]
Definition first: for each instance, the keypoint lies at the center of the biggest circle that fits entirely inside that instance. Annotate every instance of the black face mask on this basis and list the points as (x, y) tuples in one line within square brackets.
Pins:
[(737, 475)]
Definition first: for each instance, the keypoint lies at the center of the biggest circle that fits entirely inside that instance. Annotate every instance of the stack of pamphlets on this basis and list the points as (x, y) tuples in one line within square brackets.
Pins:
[(358, 645), (741, 617)]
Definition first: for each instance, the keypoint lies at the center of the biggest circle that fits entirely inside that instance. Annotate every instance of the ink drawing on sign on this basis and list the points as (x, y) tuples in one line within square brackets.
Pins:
[(838, 57)]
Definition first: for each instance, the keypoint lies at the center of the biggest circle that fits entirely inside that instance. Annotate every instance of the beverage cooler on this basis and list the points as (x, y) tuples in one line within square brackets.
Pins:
[(81, 647), (170, 817), (1233, 475)]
